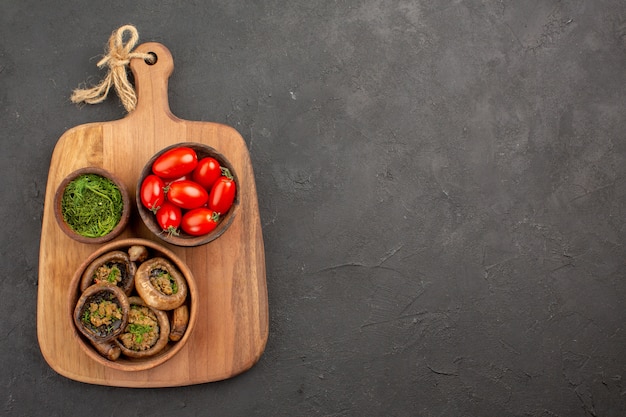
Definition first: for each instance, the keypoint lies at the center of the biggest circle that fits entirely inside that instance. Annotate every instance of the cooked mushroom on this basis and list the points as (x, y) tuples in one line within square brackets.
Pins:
[(147, 331), (101, 312), (108, 349), (179, 321), (138, 253), (112, 268), (160, 284)]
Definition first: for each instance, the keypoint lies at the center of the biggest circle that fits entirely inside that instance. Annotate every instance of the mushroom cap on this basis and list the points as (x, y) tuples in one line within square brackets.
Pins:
[(118, 257), (97, 293), (178, 322), (164, 332), (150, 294)]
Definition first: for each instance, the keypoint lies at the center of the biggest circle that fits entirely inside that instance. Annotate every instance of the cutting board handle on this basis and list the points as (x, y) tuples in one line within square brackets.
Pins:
[(151, 81)]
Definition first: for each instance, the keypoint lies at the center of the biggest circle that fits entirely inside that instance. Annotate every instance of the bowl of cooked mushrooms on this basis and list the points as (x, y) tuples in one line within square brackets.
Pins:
[(133, 304)]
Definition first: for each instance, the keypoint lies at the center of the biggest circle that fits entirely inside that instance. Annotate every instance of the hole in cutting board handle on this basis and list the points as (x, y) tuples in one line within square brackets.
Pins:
[(155, 58)]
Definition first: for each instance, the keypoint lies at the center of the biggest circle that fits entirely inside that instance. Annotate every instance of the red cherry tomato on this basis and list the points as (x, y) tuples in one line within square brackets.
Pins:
[(175, 162), (167, 182), (169, 216), (199, 221), (187, 194), (152, 193), (207, 172), (223, 193)]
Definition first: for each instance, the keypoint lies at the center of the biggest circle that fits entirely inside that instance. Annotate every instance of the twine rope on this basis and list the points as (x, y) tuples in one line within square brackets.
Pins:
[(117, 58)]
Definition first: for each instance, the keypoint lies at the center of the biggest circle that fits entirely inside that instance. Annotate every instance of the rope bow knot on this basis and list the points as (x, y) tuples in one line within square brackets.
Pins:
[(117, 58)]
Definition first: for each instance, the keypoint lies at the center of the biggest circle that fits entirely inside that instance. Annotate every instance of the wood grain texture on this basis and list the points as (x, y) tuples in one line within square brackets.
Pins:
[(232, 326)]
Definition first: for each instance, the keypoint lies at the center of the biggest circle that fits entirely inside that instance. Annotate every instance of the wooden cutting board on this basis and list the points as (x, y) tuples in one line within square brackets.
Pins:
[(232, 326)]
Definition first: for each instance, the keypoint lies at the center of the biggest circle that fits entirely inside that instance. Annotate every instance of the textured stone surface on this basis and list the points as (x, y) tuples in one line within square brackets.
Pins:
[(442, 190)]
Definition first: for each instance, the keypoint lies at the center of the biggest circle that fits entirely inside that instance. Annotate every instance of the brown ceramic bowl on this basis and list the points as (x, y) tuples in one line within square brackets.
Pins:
[(123, 362), (58, 211), (184, 239)]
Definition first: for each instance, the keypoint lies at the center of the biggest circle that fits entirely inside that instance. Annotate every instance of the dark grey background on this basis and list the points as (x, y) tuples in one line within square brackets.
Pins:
[(442, 192)]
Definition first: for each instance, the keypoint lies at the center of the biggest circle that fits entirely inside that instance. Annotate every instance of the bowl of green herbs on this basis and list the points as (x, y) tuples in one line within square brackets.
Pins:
[(91, 205)]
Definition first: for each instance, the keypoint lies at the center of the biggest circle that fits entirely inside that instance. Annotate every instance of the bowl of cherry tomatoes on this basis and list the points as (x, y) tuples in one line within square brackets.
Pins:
[(187, 194)]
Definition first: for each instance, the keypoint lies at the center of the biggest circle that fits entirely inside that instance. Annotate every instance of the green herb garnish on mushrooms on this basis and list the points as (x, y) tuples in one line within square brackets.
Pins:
[(139, 330), (164, 281), (87, 317), (173, 284), (92, 205)]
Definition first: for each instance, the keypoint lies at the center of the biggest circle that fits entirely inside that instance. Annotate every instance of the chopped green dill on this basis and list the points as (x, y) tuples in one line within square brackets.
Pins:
[(139, 330), (114, 274), (161, 273), (86, 317), (92, 205)]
